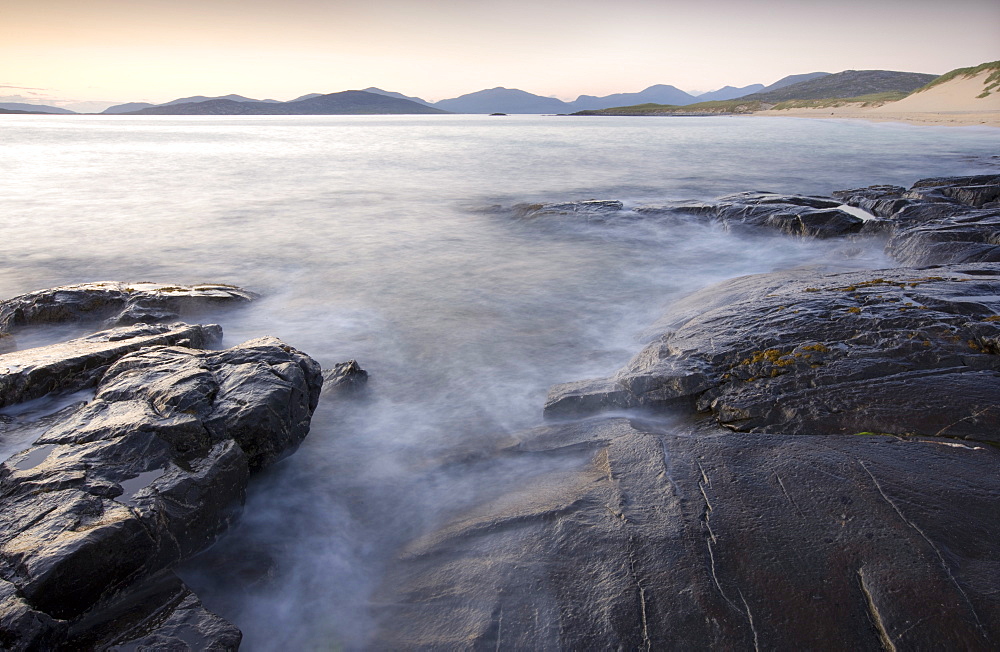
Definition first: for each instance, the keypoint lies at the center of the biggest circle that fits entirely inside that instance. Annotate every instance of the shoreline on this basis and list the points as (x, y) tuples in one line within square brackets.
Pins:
[(935, 118)]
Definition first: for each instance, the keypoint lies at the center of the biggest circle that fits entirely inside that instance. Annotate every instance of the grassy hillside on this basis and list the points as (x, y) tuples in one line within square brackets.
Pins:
[(992, 81), (849, 83), (871, 100), (700, 108)]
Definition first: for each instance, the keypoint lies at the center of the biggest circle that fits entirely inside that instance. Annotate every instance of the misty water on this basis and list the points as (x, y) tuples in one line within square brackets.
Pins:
[(388, 240)]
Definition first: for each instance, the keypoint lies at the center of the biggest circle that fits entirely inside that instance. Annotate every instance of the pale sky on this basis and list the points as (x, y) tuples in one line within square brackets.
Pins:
[(111, 51)]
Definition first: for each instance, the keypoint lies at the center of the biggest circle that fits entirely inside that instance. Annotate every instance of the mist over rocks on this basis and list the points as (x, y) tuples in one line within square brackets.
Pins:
[(797, 460), (903, 351), (144, 472)]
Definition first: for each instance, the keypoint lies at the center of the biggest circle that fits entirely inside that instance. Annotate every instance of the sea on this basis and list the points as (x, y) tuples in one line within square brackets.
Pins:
[(393, 240)]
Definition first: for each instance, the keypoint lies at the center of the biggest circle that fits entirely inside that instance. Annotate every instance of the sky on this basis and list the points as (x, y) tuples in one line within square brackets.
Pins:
[(88, 54)]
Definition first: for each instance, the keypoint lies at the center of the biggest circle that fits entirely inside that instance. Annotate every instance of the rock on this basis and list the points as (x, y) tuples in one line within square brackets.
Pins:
[(904, 351), (758, 198), (670, 537), (816, 217), (880, 201), (344, 377), (146, 474), (593, 208), (116, 303), (975, 191), (161, 613), (968, 237), (792, 214), (677, 208), (79, 363)]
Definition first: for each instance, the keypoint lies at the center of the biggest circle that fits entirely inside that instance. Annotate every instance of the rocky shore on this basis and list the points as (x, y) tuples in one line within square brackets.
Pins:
[(110, 493), (796, 461)]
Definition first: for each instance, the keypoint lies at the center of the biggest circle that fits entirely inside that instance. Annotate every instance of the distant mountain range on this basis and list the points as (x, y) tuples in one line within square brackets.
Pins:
[(824, 88), (493, 100), (814, 85), (343, 103)]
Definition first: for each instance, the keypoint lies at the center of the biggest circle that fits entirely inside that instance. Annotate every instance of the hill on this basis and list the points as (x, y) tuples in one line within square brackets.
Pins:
[(126, 108), (343, 103), (965, 96), (659, 94), (728, 93), (379, 91), (849, 83), (502, 100), (793, 79), (714, 107), (21, 107), (130, 107)]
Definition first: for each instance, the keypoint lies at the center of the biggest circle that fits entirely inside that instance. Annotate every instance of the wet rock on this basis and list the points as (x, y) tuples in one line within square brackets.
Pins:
[(881, 201), (975, 191), (593, 208), (79, 363), (345, 377), (966, 237), (904, 351), (816, 217), (116, 303), (690, 208), (159, 614), (955, 221), (147, 473), (679, 537)]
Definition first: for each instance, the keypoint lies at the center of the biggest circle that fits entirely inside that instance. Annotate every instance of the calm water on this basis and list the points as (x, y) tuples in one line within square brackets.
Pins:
[(379, 239)]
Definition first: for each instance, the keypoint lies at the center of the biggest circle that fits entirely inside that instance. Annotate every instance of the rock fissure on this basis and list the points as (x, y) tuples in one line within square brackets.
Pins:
[(933, 547)]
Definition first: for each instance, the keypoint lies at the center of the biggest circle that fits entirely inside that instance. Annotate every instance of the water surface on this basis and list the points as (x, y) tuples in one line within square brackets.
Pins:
[(386, 239)]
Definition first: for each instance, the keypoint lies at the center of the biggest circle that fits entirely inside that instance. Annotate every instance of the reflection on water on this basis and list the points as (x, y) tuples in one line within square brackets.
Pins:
[(372, 238)]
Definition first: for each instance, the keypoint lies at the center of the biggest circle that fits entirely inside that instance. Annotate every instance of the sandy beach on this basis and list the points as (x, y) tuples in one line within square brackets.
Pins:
[(953, 103)]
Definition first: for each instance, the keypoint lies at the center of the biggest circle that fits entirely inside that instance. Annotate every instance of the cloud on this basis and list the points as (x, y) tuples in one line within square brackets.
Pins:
[(23, 88)]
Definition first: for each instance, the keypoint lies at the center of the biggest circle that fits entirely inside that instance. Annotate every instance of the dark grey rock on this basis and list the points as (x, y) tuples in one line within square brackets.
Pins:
[(792, 214), (905, 351), (758, 198), (817, 217), (79, 363), (147, 473), (975, 191), (880, 201), (116, 303), (681, 538), (593, 208), (161, 613), (344, 377)]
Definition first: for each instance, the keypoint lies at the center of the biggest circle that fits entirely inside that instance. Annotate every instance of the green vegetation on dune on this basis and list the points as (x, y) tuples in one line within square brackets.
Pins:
[(991, 84), (870, 100)]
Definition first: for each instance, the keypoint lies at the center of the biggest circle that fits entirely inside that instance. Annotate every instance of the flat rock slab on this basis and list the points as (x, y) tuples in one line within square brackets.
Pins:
[(116, 303), (79, 363), (670, 539), (903, 351), (145, 474)]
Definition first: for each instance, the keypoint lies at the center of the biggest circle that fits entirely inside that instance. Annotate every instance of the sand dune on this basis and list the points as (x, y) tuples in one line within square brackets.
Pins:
[(954, 102)]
